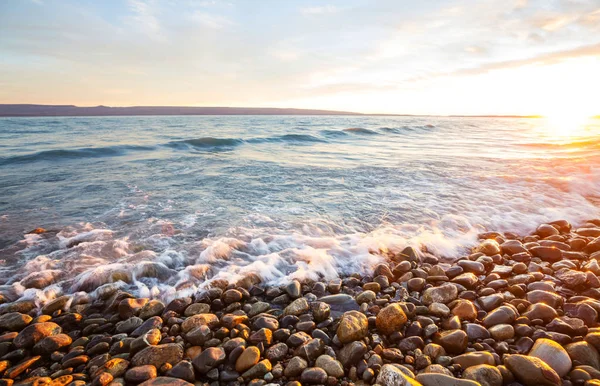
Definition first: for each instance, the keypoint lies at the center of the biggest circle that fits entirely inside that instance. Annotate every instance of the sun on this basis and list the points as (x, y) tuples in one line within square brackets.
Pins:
[(567, 122)]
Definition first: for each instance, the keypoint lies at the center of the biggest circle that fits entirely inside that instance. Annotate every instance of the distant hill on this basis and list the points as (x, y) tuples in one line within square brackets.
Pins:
[(26, 110)]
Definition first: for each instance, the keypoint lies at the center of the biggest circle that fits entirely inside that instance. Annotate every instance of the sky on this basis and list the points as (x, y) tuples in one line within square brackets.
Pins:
[(520, 57)]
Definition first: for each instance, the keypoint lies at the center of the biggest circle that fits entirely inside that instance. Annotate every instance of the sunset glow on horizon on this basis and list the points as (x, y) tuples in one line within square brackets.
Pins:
[(521, 57)]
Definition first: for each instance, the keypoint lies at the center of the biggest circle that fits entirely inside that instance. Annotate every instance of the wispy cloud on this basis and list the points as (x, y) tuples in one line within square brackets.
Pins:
[(592, 50), (144, 16)]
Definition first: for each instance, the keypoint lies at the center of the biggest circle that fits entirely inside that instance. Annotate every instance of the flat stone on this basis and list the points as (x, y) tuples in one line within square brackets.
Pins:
[(392, 375), (22, 366), (331, 366), (159, 355), (550, 254), (486, 375), (33, 333), (52, 343), (140, 373), (476, 331), (443, 294), (467, 279), (196, 309), (501, 315), (210, 320), (475, 358), (511, 247), (531, 371), (541, 311), (297, 307), (433, 379), (14, 321), (553, 354)]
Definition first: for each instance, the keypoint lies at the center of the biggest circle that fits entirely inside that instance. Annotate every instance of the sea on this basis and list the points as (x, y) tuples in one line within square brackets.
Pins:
[(162, 206)]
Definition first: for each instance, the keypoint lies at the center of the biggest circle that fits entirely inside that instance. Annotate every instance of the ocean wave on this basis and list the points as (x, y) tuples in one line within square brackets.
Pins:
[(361, 130), (393, 130), (63, 154), (207, 142), (333, 133), (100, 260), (288, 138)]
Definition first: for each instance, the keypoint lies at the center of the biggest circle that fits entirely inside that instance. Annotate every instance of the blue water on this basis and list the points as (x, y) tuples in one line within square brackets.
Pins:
[(275, 196)]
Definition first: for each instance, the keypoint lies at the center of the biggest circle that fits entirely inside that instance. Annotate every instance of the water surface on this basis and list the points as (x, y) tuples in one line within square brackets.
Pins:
[(160, 204)]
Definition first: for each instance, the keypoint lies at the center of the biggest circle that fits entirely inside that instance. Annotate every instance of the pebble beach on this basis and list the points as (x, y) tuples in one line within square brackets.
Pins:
[(517, 310)]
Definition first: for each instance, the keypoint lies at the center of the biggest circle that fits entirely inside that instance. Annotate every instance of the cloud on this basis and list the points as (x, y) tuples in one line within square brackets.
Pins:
[(144, 16), (320, 10), (541, 60), (213, 52)]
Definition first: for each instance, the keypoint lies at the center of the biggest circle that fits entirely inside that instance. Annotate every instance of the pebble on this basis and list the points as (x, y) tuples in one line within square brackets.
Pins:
[(517, 310), (250, 356), (331, 366), (159, 355), (486, 375), (353, 326), (391, 319), (392, 375), (140, 373), (313, 376), (33, 333), (552, 354), (432, 379), (531, 371)]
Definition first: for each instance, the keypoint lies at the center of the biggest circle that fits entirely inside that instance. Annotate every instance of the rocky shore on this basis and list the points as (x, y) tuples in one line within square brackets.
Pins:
[(516, 311)]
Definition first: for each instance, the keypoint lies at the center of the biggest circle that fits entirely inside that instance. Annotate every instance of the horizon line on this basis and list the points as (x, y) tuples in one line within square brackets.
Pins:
[(74, 110)]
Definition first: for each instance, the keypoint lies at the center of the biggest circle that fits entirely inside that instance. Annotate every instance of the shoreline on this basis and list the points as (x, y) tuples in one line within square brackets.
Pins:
[(518, 310)]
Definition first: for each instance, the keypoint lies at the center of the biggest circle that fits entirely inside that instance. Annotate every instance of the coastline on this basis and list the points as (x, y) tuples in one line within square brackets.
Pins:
[(517, 310)]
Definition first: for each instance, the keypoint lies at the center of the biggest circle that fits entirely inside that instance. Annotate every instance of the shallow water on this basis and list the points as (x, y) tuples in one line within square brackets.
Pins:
[(165, 204)]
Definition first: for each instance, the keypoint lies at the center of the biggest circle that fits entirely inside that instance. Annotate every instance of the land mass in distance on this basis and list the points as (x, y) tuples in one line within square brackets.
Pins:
[(35, 110)]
